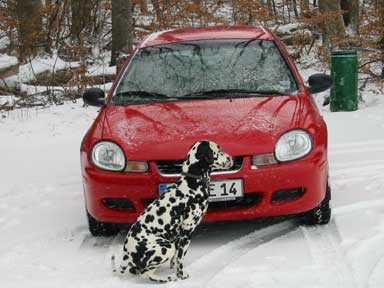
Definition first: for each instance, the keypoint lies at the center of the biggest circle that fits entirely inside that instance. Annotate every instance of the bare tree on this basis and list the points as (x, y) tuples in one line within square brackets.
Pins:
[(304, 5), (158, 12), (81, 16), (121, 29), (350, 9), (381, 10), (144, 7), (29, 27), (333, 27), (381, 44)]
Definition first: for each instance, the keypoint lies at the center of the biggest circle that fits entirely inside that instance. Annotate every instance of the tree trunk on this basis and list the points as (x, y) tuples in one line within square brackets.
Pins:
[(121, 29), (304, 9), (159, 15), (304, 5), (333, 27), (270, 9), (143, 6), (294, 4), (81, 17), (29, 27), (381, 10), (350, 10), (381, 17), (274, 8)]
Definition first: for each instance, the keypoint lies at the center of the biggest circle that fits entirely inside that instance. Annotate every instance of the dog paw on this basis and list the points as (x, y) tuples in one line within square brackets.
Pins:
[(183, 275), (172, 278)]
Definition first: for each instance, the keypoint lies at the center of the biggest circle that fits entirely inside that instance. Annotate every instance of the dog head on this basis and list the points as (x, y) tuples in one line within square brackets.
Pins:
[(206, 156)]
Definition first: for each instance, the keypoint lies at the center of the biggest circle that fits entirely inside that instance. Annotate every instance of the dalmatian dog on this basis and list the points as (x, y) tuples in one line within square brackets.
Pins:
[(162, 233)]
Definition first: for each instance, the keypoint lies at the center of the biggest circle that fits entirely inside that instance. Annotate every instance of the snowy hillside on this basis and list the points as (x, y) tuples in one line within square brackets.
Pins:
[(45, 241)]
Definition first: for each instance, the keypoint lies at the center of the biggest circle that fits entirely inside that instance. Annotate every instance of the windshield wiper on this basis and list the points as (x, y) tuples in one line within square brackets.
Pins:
[(210, 93), (141, 97), (143, 93), (270, 92)]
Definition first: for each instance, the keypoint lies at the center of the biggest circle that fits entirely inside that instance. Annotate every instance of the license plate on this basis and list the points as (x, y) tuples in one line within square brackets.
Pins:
[(222, 190), (225, 190)]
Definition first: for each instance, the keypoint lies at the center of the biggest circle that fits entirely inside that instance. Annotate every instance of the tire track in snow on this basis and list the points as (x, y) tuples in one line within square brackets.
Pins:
[(357, 148), (347, 150), (362, 163), (375, 277), (370, 246), (325, 248), (379, 143), (371, 172), (360, 206), (225, 255), (359, 169)]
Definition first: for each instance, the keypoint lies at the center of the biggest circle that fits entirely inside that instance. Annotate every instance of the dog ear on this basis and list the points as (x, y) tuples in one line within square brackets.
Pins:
[(209, 157), (205, 153)]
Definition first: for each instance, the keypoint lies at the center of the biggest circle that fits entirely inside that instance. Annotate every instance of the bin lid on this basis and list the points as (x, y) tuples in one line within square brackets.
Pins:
[(344, 53)]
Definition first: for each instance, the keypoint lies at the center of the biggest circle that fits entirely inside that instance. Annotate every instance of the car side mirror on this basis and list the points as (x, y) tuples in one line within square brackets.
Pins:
[(319, 83), (94, 97)]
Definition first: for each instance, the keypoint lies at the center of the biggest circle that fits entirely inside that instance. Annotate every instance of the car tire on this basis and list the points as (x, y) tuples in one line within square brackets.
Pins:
[(321, 214), (98, 228)]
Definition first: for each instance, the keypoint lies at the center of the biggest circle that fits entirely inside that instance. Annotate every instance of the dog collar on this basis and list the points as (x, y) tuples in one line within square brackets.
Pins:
[(205, 179), (192, 175)]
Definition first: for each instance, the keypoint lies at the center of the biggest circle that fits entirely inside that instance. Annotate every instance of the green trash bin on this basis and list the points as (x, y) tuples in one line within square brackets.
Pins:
[(344, 70)]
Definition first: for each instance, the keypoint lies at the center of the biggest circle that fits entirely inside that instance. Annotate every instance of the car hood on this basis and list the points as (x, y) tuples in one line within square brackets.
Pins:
[(164, 131)]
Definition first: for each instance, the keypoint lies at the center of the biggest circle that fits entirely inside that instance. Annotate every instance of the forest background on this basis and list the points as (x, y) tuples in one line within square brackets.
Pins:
[(52, 50)]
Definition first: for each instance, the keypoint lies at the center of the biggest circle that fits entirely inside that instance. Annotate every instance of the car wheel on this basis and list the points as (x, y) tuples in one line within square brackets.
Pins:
[(321, 214), (98, 228)]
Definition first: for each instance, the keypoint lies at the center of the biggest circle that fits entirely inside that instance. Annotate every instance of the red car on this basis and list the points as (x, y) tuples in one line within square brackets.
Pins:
[(234, 85)]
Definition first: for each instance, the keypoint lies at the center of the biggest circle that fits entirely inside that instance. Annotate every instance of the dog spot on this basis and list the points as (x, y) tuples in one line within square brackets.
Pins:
[(160, 211), (157, 259), (136, 229), (125, 258), (161, 222), (172, 200), (192, 184), (179, 193), (163, 251), (149, 218)]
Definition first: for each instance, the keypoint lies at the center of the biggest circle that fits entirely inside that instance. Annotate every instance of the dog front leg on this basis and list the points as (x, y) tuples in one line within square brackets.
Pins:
[(183, 244), (173, 261)]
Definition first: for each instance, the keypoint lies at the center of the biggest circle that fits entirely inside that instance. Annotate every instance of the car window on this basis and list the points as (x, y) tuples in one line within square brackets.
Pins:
[(183, 68)]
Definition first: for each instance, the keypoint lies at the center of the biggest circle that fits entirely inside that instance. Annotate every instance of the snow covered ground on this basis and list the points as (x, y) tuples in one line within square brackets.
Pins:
[(44, 239)]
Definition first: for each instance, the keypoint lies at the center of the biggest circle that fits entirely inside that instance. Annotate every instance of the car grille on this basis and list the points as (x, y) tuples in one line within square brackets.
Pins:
[(173, 167)]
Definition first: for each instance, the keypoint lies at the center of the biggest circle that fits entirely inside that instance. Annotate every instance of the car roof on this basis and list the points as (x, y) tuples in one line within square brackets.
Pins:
[(204, 33)]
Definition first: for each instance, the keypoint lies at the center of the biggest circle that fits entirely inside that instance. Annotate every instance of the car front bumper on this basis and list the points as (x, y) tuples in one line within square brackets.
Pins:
[(308, 175)]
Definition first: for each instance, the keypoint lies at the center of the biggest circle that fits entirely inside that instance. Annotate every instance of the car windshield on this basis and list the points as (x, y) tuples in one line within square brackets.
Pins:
[(205, 69)]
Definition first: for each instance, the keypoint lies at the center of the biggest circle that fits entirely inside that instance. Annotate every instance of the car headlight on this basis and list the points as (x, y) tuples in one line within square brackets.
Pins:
[(293, 145), (109, 156)]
